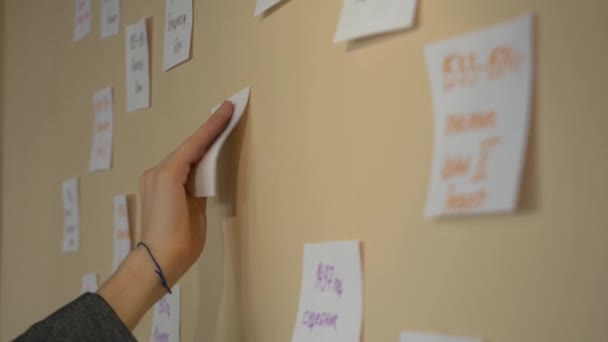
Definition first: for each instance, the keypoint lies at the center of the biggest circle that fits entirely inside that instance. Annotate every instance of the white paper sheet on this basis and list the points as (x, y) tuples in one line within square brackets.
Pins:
[(82, 19), (206, 170), (419, 337), (110, 18), (331, 298), (482, 88), (263, 5), (360, 18), (165, 326), (138, 67), (71, 216), (122, 231), (89, 283), (101, 148), (178, 32)]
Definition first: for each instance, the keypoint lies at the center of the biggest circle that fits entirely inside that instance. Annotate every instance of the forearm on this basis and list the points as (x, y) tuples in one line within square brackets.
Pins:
[(133, 289)]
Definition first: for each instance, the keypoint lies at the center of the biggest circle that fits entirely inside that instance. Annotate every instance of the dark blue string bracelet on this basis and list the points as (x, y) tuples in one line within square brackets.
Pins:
[(158, 271)]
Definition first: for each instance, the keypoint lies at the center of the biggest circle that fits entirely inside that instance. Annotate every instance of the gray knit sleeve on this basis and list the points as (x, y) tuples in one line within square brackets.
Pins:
[(88, 319)]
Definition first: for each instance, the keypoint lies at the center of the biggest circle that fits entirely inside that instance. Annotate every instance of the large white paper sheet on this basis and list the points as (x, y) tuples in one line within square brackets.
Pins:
[(482, 88), (71, 216), (178, 32), (82, 19), (101, 149), (331, 298), (110, 18), (419, 337), (89, 283), (138, 67), (360, 18), (262, 6), (165, 326), (122, 231), (206, 170)]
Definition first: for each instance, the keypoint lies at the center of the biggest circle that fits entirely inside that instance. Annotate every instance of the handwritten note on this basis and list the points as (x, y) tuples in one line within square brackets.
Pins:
[(482, 88), (138, 67), (178, 32), (110, 18), (89, 283), (101, 149), (122, 231), (165, 326), (360, 18), (82, 19), (264, 5), (331, 298), (206, 170), (71, 216), (418, 337)]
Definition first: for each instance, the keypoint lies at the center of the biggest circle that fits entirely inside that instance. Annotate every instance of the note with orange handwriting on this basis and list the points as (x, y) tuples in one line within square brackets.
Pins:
[(122, 231), (482, 88), (101, 150)]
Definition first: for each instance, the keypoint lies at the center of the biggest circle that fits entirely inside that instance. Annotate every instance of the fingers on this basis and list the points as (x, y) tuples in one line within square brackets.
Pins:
[(194, 148)]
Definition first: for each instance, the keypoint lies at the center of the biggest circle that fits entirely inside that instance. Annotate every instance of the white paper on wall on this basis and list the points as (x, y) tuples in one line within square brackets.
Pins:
[(89, 283), (419, 337), (110, 18), (361, 18), (264, 5), (122, 231), (178, 32), (482, 89), (166, 323), (331, 297), (206, 170), (101, 149), (138, 67), (71, 216), (82, 19)]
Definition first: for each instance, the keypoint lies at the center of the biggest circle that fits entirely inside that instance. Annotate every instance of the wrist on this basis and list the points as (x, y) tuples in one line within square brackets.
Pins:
[(134, 288)]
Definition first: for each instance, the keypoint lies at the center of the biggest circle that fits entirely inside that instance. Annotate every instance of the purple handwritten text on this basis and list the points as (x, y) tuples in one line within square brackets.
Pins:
[(327, 281), (319, 319)]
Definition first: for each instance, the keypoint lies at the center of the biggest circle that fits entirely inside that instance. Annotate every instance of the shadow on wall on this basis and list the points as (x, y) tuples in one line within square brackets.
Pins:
[(218, 313)]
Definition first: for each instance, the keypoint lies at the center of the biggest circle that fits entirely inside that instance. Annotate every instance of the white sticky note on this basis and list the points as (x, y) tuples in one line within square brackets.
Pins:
[(101, 148), (138, 67), (178, 32), (71, 216), (82, 19), (482, 89), (263, 5), (89, 283), (419, 337), (360, 18), (165, 326), (122, 231), (110, 18), (331, 298), (206, 170)]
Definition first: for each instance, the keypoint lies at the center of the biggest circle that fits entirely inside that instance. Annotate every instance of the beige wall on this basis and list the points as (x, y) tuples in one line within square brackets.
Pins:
[(336, 145)]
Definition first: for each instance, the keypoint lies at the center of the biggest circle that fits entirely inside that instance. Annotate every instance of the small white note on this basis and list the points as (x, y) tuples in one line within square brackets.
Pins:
[(138, 67), (361, 18), (71, 216), (82, 19), (110, 18), (419, 337), (165, 326), (206, 170), (101, 149), (89, 283), (122, 231), (331, 298), (264, 5), (178, 32), (482, 89)]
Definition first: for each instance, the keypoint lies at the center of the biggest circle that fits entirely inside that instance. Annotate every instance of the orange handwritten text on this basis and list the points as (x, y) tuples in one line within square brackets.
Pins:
[(460, 201), (459, 123), (455, 167), (486, 146)]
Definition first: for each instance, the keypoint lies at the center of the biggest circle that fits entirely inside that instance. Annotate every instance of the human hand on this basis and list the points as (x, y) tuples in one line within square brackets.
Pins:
[(173, 227)]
